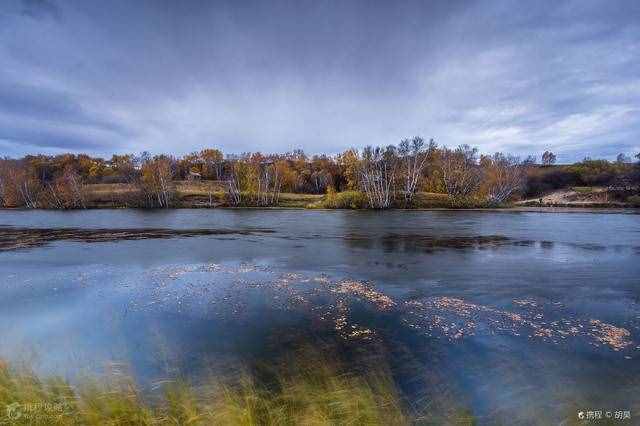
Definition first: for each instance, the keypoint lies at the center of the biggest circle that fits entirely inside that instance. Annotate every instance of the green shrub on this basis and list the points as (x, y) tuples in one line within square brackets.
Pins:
[(597, 172)]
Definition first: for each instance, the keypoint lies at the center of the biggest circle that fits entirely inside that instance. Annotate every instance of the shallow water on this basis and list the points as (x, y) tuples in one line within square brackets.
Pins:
[(524, 317)]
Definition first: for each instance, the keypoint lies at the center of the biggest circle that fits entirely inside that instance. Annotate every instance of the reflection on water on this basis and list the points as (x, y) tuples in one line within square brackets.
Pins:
[(13, 238), (511, 313), (391, 243)]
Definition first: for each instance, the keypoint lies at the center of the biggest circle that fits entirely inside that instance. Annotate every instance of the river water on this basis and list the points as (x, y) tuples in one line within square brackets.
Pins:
[(523, 317)]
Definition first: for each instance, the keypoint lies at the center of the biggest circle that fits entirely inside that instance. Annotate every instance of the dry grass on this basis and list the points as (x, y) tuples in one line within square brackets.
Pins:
[(583, 189), (188, 194), (98, 189), (298, 200), (201, 188), (431, 200), (213, 193), (304, 390)]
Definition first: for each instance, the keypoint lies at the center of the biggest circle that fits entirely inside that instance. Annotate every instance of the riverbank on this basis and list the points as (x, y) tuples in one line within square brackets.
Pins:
[(582, 196), (200, 194), (211, 194)]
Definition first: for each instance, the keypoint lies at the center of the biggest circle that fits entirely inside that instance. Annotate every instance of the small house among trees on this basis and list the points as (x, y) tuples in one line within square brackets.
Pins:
[(194, 176)]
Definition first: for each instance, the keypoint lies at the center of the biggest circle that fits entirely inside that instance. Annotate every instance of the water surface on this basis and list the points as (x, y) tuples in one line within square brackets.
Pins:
[(519, 315)]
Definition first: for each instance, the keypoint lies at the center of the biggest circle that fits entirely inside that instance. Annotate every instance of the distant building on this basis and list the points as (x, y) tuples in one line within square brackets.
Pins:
[(194, 176)]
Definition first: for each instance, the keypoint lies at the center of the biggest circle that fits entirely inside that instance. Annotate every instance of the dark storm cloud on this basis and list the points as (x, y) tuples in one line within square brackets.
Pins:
[(177, 76)]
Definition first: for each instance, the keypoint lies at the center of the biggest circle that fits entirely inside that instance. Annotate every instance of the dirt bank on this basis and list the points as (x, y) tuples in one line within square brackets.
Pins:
[(595, 197)]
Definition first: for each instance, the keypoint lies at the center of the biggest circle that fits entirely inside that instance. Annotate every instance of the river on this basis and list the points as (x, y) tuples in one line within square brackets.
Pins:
[(522, 316)]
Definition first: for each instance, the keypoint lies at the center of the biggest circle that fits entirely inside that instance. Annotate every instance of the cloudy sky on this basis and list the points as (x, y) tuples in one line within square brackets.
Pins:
[(176, 76)]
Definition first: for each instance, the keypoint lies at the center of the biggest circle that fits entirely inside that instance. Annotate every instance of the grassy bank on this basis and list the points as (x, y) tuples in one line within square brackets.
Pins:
[(203, 194), (306, 390), (421, 200), (211, 194)]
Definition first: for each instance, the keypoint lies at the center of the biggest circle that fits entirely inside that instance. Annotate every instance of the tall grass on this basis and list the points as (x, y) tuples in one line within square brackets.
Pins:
[(306, 390), (421, 200), (341, 200)]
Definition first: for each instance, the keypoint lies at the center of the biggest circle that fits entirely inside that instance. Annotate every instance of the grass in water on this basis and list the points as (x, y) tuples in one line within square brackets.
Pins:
[(306, 390)]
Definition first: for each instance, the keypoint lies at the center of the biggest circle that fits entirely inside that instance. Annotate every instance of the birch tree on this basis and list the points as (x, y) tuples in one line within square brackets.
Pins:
[(267, 180), (378, 168), (3, 182), (504, 175), (73, 186), (157, 181), (460, 173), (548, 158), (21, 186), (256, 180), (413, 158), (234, 191), (212, 160)]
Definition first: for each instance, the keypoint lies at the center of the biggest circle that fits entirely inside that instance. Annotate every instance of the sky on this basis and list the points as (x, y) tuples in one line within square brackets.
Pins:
[(113, 76)]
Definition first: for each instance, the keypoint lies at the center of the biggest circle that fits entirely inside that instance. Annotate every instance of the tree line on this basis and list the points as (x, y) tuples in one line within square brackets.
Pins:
[(383, 176)]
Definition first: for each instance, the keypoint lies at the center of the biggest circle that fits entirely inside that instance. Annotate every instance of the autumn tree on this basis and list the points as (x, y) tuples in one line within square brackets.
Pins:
[(122, 168), (349, 163), (20, 184), (237, 181), (413, 158), (288, 175), (66, 191), (84, 163), (255, 179), (504, 176), (156, 181), (377, 171), (320, 176), (189, 163), (7, 196), (460, 173), (96, 170), (212, 161), (548, 158), (432, 180), (265, 180), (636, 172)]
